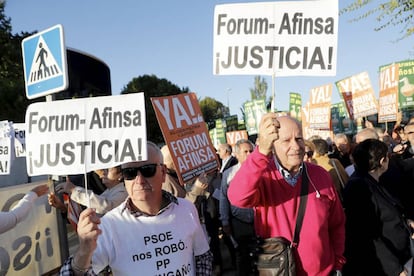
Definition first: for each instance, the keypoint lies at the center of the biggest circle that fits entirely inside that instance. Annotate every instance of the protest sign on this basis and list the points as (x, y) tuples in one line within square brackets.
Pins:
[(5, 147), (233, 136), (81, 135), (253, 112), (388, 94), (320, 107), (19, 130), (186, 135), (405, 83), (218, 134), (358, 95), (282, 38), (295, 105), (307, 131), (32, 247)]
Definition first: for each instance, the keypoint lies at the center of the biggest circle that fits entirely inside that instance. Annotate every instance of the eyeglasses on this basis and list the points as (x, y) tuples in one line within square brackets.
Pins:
[(309, 153), (146, 171)]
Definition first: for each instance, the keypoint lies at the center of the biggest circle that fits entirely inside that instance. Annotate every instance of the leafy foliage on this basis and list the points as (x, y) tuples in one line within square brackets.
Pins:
[(212, 110), (389, 13), (152, 87), (13, 99), (260, 88)]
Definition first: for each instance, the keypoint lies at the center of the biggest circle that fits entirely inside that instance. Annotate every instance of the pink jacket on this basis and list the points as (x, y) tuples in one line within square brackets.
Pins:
[(322, 237)]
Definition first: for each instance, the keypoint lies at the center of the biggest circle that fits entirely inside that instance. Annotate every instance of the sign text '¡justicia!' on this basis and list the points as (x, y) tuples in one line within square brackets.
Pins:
[(70, 153), (72, 122)]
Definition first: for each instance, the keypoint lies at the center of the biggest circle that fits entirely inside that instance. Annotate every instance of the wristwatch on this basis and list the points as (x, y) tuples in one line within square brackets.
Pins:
[(337, 273)]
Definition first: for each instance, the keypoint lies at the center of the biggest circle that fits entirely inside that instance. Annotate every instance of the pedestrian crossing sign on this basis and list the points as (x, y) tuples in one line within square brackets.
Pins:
[(44, 62)]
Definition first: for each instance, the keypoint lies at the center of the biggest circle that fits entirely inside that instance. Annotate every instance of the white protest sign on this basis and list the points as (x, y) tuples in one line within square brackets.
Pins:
[(32, 247), (82, 135), (5, 147), (19, 130), (283, 38)]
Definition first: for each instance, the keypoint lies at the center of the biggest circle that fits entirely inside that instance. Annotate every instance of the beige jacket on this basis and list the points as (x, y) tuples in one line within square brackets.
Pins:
[(335, 169)]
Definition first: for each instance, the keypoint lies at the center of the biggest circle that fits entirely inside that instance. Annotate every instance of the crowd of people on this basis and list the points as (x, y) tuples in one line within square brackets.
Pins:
[(358, 219)]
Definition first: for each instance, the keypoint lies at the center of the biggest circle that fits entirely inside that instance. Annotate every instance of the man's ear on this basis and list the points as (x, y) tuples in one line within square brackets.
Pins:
[(382, 160), (164, 168), (164, 172)]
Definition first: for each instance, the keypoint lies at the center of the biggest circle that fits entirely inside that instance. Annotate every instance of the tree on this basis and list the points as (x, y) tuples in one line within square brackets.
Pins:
[(212, 110), (13, 99), (152, 87), (260, 88), (389, 13), (259, 92)]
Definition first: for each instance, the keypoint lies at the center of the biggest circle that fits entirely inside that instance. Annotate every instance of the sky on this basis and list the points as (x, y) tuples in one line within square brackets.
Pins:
[(174, 40)]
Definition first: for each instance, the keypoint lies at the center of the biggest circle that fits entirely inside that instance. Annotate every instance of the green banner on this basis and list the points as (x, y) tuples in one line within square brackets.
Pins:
[(253, 112), (340, 119), (232, 123), (295, 105), (405, 83)]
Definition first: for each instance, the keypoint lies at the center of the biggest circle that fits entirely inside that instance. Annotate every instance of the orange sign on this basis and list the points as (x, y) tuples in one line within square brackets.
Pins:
[(320, 107), (358, 95), (388, 94), (186, 135), (233, 136), (307, 131)]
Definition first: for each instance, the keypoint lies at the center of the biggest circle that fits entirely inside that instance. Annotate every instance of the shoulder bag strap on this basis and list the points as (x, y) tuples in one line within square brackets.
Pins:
[(302, 206), (337, 172)]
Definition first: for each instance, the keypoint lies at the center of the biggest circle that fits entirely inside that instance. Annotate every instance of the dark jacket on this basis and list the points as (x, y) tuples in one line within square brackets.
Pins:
[(377, 238), (344, 159), (398, 180), (232, 161)]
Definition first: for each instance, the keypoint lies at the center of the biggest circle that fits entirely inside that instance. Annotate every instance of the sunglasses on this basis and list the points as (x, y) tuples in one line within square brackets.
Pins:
[(146, 171), (309, 153)]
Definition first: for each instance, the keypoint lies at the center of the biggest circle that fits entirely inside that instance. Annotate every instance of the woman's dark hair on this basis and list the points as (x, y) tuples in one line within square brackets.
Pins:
[(367, 155), (321, 146)]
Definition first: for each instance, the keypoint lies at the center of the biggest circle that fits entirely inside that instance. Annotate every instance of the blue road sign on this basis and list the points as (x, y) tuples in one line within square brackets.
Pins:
[(45, 64)]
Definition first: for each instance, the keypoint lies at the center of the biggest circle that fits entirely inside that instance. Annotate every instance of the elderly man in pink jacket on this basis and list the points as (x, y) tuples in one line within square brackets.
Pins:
[(270, 181)]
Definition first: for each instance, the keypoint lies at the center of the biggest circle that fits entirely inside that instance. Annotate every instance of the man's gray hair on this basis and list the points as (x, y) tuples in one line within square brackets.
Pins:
[(158, 150), (341, 135), (242, 141)]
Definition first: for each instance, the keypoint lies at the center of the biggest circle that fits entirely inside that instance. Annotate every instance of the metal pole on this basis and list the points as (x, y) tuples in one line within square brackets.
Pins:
[(228, 102), (273, 104)]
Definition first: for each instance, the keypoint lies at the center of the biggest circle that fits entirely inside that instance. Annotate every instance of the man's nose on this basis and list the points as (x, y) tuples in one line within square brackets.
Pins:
[(139, 177)]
